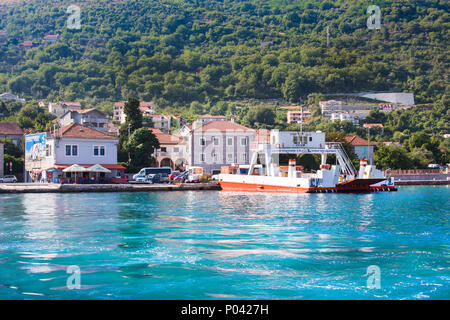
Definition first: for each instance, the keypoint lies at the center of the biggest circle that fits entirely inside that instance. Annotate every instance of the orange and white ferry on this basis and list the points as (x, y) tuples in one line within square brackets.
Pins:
[(265, 175)]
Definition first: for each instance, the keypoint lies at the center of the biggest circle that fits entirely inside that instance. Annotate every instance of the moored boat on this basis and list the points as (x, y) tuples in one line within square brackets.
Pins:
[(264, 174)]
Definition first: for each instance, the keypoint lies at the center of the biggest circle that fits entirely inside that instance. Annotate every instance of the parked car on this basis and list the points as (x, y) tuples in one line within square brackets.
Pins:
[(8, 179), (174, 174), (182, 177), (154, 178), (140, 178)]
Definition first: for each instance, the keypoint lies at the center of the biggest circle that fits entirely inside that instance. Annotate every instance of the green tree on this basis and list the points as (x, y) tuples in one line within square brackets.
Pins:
[(392, 157), (141, 147), (133, 114)]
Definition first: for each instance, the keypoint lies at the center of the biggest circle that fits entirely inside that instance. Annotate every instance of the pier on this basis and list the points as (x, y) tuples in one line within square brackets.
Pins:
[(129, 187)]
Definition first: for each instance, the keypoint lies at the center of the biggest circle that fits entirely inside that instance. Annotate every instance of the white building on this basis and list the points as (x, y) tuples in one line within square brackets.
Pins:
[(208, 118), (219, 143), (147, 109), (61, 107), (173, 151), (10, 96), (48, 153), (345, 116), (161, 122), (92, 118)]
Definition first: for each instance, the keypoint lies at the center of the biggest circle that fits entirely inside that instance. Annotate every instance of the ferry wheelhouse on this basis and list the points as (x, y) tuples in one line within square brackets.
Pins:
[(264, 174)]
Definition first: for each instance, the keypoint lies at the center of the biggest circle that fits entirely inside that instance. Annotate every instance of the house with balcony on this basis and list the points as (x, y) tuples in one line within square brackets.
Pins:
[(47, 154), (173, 151), (298, 116), (92, 118)]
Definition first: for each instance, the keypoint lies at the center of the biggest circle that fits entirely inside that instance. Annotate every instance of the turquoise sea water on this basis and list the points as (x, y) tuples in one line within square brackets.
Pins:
[(220, 245)]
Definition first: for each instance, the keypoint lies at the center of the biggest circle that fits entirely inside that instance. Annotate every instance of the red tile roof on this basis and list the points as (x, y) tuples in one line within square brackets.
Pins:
[(221, 126), (358, 141), (208, 116), (10, 128), (75, 130), (27, 43), (83, 111), (165, 138), (142, 104), (373, 125)]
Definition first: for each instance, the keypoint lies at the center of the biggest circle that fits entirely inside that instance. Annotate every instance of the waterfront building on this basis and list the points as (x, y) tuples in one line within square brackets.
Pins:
[(61, 107), (92, 118), (147, 109), (362, 148), (173, 151), (48, 153), (11, 130), (2, 158), (219, 143)]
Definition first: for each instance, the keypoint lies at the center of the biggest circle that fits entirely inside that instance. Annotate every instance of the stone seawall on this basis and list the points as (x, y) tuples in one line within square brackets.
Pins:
[(74, 188), (421, 179)]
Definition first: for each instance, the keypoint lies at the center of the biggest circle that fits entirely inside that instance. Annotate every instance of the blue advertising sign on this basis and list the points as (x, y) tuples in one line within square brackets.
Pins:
[(35, 146)]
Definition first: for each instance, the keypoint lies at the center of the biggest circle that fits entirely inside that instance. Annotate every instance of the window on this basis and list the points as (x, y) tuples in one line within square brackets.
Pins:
[(216, 156), (99, 151), (295, 139), (48, 150), (163, 149), (176, 149), (310, 138), (230, 157), (202, 141), (202, 157), (244, 157), (243, 141), (230, 141), (71, 150), (216, 141)]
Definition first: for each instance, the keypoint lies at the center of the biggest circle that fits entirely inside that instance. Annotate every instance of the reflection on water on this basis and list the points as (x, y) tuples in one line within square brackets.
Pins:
[(206, 245)]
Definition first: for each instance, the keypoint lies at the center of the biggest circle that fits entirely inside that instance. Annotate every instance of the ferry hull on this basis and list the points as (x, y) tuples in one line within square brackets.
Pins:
[(355, 186)]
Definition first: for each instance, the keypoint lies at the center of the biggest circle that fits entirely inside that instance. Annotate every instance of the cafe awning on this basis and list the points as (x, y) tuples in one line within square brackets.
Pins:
[(75, 168), (98, 168)]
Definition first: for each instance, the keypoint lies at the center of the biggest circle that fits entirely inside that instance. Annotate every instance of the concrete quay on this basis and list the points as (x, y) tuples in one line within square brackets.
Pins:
[(75, 188)]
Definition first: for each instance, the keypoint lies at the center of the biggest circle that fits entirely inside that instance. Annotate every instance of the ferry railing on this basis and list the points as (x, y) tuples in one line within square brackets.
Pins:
[(344, 161)]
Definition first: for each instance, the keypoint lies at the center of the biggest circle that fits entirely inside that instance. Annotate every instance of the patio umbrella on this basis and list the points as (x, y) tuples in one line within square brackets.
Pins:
[(98, 168), (75, 168)]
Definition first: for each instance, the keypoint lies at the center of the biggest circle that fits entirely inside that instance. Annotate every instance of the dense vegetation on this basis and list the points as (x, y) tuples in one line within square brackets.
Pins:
[(198, 56), (177, 52)]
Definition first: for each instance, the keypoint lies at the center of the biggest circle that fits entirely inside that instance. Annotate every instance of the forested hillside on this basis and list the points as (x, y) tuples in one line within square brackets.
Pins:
[(179, 52)]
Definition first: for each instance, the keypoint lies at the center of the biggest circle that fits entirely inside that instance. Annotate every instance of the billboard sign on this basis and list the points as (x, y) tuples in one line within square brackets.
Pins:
[(35, 146)]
